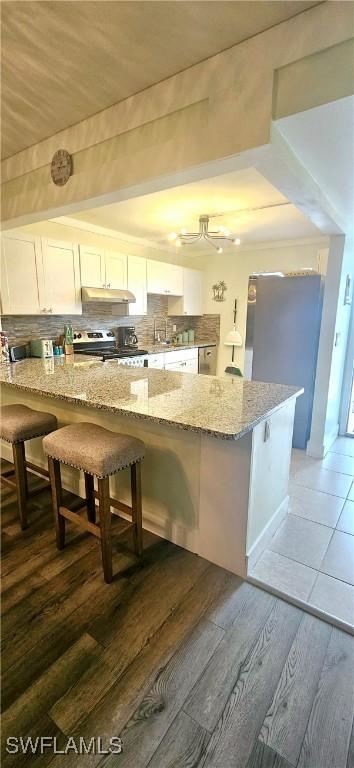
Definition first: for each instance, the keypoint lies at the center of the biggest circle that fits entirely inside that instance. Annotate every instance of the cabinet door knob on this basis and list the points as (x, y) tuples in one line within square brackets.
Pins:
[(51, 309), (44, 310), (108, 285)]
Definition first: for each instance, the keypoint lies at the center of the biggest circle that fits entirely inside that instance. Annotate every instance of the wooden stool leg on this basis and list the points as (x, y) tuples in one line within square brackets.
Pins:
[(137, 507), (90, 498), (55, 482), (18, 450), (105, 525)]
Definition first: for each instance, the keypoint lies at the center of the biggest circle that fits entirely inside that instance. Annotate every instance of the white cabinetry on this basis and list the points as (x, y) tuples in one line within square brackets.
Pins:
[(21, 258), (176, 360), (185, 360), (191, 302), (39, 276), (157, 361), (59, 284), (92, 265), (137, 284), (163, 278), (116, 270), (102, 269)]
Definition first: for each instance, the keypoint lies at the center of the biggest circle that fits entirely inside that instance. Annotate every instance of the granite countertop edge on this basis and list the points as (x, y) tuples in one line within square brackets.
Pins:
[(221, 435)]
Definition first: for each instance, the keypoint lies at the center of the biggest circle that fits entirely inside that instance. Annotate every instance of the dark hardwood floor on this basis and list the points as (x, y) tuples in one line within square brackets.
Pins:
[(189, 665)]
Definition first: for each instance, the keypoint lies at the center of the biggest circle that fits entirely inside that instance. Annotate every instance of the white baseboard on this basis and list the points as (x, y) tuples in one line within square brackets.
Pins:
[(319, 450), (267, 534)]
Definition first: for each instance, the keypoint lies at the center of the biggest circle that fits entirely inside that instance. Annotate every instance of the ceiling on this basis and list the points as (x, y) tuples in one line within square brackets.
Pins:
[(64, 61), (156, 215), (322, 140)]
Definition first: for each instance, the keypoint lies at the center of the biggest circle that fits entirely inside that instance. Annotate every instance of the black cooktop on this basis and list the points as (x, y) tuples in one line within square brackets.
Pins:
[(111, 353)]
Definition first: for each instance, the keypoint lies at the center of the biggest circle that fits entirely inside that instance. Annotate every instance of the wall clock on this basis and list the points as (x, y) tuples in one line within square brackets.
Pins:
[(61, 167)]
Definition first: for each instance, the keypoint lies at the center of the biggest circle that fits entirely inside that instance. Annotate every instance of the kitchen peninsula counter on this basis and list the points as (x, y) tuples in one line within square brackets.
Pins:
[(224, 408), (216, 471)]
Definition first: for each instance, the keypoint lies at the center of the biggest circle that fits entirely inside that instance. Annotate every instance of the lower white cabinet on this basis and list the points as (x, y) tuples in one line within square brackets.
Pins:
[(157, 361), (163, 278), (184, 366), (185, 360), (39, 276), (137, 284), (191, 302)]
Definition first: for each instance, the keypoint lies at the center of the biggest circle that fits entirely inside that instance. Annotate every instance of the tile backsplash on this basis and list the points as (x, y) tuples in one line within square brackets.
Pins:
[(22, 328)]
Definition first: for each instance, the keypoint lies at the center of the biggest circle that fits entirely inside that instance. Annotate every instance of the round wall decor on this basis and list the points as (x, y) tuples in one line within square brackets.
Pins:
[(61, 167)]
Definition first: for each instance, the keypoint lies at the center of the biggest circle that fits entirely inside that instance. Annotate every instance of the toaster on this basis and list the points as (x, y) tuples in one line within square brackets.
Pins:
[(42, 348)]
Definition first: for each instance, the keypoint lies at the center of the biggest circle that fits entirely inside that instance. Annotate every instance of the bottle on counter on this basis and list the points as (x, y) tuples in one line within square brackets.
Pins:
[(68, 339), (5, 354), (191, 336), (185, 337)]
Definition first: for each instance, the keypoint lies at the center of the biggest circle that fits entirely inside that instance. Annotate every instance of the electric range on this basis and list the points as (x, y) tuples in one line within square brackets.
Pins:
[(101, 344)]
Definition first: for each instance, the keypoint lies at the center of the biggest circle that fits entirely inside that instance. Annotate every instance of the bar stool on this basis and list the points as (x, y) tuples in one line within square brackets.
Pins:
[(99, 453), (18, 424)]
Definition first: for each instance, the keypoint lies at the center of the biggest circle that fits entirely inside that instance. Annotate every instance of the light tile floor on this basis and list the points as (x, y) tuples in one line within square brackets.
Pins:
[(311, 556)]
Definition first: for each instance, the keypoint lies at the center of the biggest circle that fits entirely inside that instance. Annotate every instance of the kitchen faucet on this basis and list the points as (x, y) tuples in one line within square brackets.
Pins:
[(157, 330)]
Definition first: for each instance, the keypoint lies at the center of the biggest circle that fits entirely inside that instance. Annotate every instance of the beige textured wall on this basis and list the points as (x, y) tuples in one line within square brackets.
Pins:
[(213, 110)]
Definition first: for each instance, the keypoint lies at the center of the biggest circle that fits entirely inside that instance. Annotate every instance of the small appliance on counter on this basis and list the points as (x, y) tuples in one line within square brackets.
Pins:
[(19, 352), (42, 348), (127, 337)]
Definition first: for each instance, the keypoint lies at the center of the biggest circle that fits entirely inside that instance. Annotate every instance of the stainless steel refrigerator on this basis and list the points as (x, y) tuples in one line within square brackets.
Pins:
[(282, 335)]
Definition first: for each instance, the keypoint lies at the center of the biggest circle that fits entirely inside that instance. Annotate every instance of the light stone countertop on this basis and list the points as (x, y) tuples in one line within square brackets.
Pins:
[(226, 408), (154, 349)]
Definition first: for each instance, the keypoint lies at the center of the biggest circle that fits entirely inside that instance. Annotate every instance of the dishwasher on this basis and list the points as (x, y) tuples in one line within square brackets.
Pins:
[(207, 360)]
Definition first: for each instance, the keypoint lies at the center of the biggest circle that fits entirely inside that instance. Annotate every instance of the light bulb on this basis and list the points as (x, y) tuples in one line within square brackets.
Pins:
[(226, 232), (236, 241), (219, 249), (178, 243), (221, 229), (184, 231), (172, 236)]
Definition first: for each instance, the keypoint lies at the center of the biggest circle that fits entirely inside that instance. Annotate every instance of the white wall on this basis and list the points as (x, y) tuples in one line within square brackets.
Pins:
[(235, 267), (332, 348)]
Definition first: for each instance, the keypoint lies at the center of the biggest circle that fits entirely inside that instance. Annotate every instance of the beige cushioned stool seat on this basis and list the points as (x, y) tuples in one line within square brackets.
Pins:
[(20, 423), (93, 449)]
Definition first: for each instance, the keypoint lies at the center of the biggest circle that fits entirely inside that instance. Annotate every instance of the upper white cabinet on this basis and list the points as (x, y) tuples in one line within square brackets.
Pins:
[(116, 270), (59, 284), (102, 269), (137, 284), (163, 278), (92, 265), (39, 276), (21, 258), (191, 302)]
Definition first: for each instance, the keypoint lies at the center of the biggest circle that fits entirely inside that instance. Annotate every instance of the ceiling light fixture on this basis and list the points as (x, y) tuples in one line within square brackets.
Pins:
[(210, 236)]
